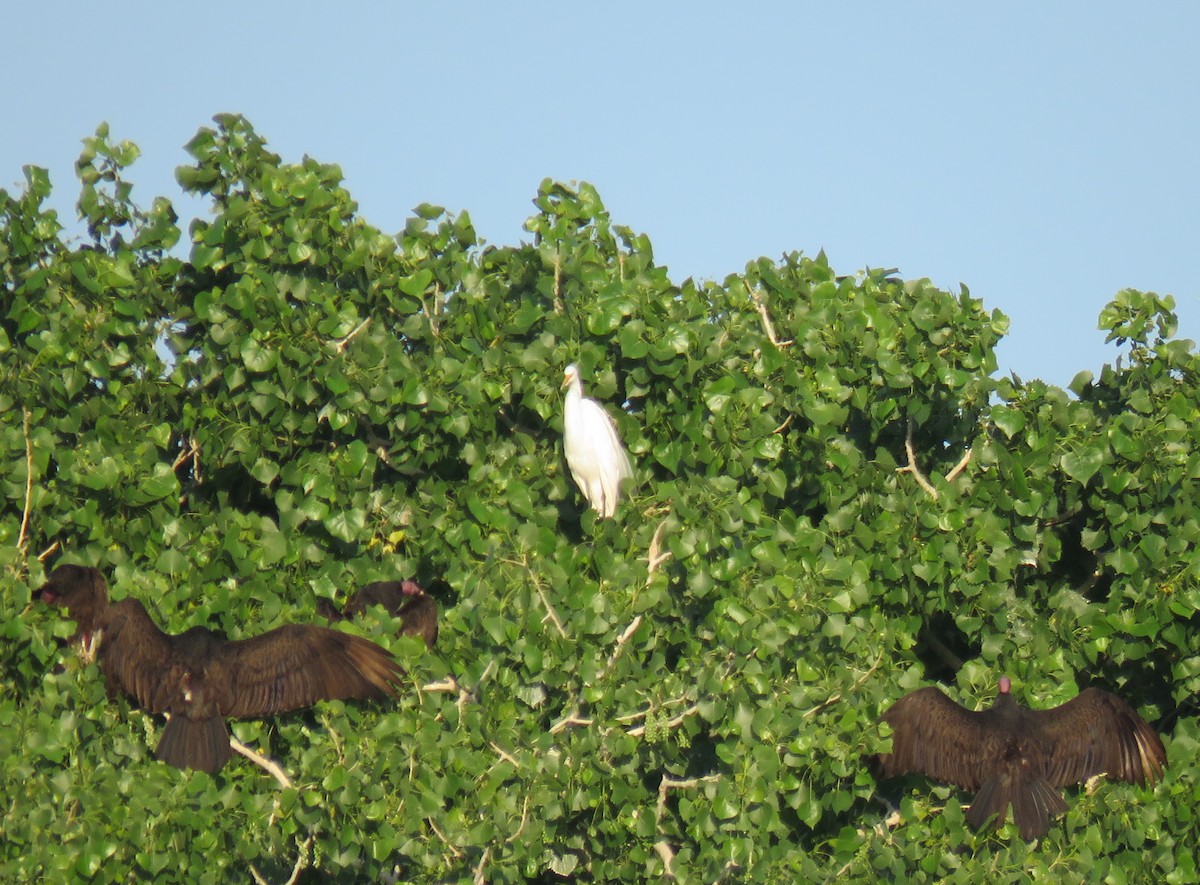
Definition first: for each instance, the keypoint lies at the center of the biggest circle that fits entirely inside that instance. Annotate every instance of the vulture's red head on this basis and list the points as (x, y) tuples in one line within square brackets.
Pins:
[(79, 589), (1005, 685)]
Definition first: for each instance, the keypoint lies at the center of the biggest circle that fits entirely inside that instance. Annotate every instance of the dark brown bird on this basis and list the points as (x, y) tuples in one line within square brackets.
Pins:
[(407, 600), (200, 678), (1009, 754)]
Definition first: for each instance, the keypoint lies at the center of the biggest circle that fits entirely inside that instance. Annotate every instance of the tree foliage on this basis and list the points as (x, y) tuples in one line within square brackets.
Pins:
[(837, 500)]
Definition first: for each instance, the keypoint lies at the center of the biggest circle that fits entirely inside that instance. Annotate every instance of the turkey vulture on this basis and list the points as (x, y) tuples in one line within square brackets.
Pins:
[(200, 678), (595, 456), (1011, 754), (407, 600)]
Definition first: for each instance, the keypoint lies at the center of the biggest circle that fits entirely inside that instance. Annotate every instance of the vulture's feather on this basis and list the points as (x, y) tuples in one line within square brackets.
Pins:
[(200, 678), (1011, 755)]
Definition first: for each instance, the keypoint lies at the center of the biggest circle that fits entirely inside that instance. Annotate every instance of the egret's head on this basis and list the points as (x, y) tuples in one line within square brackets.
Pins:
[(570, 375)]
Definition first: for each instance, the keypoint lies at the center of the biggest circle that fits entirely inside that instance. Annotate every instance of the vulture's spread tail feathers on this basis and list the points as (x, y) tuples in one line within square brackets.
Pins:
[(202, 744), (1034, 802)]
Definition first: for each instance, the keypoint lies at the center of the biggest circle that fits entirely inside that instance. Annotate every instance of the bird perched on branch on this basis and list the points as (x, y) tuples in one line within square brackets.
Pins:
[(200, 678), (406, 600), (1009, 754), (595, 456)]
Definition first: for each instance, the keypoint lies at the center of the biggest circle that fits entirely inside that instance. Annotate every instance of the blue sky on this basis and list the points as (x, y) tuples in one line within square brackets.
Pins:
[(1045, 154)]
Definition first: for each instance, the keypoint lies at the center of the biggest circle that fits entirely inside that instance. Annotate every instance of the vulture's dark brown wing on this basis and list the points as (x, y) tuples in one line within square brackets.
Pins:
[(297, 665), (1097, 733), (135, 656), (933, 735)]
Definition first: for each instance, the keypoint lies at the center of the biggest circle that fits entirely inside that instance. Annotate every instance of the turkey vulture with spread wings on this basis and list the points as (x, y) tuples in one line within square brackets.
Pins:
[(200, 678), (406, 600), (1009, 754)]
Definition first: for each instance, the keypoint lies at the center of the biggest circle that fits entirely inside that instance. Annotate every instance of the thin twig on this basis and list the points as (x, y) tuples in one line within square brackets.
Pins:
[(524, 820), (558, 304), (912, 468), (837, 696), (188, 451), (49, 551), (433, 826), (784, 426), (503, 755), (339, 344), (301, 863), (432, 315), (23, 537), (642, 714), (567, 721), (673, 722), (621, 640), (334, 737), (551, 615), (260, 760)]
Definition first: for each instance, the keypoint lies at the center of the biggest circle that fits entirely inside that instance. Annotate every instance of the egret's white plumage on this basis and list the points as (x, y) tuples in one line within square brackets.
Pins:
[(595, 456)]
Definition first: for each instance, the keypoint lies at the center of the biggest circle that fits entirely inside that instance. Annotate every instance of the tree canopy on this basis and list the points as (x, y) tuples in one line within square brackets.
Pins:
[(836, 501)]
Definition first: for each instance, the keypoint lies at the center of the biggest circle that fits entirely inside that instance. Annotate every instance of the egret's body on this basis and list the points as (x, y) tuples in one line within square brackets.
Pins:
[(595, 456)]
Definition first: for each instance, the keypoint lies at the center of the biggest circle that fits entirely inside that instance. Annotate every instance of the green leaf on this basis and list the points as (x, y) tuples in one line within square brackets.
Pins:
[(1081, 466)]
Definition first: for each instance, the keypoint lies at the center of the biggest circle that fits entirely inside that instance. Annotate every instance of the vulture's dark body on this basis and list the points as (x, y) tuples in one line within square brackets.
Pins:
[(1011, 755), (200, 678), (417, 610)]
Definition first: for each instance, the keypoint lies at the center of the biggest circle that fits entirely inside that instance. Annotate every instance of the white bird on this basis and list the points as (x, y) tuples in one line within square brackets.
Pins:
[(595, 456)]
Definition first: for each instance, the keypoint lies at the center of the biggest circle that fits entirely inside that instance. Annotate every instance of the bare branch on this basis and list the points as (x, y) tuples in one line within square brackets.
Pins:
[(621, 640), (642, 714), (654, 556), (959, 467), (479, 878), (334, 737), (433, 826), (524, 820), (187, 452), (567, 721), (450, 684), (836, 697), (784, 426), (558, 304), (912, 468), (260, 760), (551, 615), (503, 755), (48, 552), (23, 537), (301, 863), (768, 327), (670, 783), (668, 857), (339, 344)]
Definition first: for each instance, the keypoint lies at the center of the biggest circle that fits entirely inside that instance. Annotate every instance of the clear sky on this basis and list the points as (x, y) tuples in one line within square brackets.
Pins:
[(1045, 154)]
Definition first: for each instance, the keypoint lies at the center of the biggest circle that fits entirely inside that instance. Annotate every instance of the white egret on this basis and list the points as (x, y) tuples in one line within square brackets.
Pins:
[(595, 456)]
